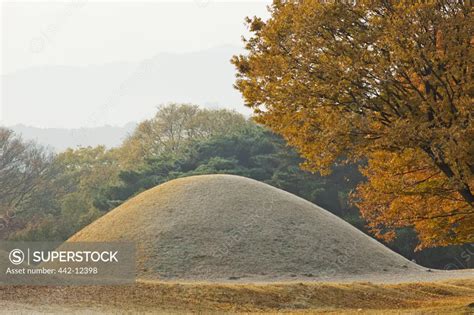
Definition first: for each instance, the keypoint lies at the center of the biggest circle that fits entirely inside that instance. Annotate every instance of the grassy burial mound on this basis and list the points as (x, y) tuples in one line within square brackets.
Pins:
[(224, 227)]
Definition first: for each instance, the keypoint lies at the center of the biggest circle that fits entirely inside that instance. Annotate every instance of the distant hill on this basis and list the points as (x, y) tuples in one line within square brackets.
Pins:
[(59, 139), (117, 93)]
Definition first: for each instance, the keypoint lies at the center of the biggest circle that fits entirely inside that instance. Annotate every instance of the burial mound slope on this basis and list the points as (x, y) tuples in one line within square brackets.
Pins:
[(216, 227)]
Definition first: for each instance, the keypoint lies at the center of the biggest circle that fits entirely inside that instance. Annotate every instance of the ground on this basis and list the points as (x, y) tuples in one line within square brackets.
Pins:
[(444, 297)]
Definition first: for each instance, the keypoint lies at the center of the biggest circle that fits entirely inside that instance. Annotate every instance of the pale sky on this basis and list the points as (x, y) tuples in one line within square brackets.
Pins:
[(82, 32), (37, 37)]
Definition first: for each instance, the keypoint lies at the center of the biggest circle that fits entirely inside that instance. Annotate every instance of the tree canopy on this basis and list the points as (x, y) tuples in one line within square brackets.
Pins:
[(24, 169), (382, 81), (173, 127)]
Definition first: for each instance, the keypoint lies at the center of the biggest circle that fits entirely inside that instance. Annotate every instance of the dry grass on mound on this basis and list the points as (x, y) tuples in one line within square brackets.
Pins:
[(452, 297), (221, 227)]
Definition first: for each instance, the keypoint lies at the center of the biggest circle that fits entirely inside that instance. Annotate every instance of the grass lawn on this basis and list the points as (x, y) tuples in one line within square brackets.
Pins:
[(448, 297)]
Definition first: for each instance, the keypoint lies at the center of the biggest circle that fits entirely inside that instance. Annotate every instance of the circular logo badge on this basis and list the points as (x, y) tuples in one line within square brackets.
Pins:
[(16, 256)]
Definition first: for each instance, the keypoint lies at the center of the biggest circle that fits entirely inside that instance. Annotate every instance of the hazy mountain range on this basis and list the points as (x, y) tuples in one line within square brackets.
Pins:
[(117, 93), (59, 139)]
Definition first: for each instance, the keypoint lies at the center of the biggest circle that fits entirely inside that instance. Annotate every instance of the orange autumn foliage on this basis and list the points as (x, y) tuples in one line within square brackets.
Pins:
[(408, 190), (382, 81)]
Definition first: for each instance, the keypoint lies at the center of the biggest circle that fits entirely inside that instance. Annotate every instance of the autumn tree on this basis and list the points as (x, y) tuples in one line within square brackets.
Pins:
[(382, 81), (171, 129), (24, 169)]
